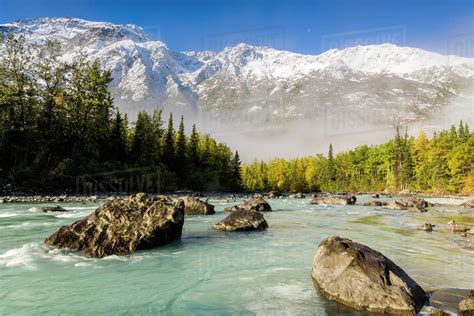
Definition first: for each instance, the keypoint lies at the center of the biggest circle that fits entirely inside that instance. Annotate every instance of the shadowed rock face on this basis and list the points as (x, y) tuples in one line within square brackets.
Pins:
[(362, 278), (242, 221), (255, 204), (122, 226), (194, 206), (343, 200)]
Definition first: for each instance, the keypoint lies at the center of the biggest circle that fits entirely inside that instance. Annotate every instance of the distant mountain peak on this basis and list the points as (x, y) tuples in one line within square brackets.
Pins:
[(242, 78)]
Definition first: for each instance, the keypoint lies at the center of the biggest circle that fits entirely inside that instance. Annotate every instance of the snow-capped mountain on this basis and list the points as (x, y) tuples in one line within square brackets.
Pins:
[(261, 84)]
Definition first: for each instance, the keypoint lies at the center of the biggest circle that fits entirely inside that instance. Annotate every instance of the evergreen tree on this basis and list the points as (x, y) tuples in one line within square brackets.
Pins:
[(331, 168), (168, 146), (236, 184), (180, 160)]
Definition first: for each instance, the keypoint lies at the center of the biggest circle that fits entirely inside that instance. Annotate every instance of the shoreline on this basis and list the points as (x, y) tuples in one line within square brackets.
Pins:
[(21, 197)]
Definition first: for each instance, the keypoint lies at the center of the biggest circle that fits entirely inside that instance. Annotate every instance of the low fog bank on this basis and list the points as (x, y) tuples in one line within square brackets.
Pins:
[(344, 130), (343, 127)]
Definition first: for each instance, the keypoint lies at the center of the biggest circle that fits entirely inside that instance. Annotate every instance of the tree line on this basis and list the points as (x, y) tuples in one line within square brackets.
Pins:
[(443, 163), (60, 130)]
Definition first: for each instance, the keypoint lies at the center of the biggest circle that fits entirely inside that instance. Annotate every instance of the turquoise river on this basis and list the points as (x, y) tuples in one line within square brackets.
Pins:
[(211, 272)]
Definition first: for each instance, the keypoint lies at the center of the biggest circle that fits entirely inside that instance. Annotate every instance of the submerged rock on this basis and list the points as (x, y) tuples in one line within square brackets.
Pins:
[(375, 203), (122, 226), (242, 221), (254, 204), (427, 227), (342, 200), (195, 206), (56, 208), (359, 277)]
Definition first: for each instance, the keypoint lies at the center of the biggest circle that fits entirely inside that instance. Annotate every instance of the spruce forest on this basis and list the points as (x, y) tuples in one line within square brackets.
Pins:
[(60, 131)]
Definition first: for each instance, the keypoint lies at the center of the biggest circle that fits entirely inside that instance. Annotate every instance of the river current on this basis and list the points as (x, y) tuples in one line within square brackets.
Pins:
[(212, 272)]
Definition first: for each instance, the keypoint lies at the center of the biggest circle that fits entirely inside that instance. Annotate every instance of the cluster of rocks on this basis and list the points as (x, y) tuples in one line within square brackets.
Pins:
[(452, 226), (412, 204), (123, 225), (47, 198)]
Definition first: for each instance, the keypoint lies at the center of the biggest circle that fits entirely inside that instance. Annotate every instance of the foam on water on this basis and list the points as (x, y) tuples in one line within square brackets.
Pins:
[(19, 257), (72, 215), (8, 214)]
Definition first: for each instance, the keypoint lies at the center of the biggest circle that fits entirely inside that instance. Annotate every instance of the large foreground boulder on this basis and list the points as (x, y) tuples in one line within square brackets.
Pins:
[(242, 221), (122, 226), (254, 204), (362, 278), (195, 206), (342, 200)]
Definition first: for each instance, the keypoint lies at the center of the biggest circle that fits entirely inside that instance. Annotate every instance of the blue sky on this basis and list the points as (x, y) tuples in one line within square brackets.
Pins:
[(300, 26)]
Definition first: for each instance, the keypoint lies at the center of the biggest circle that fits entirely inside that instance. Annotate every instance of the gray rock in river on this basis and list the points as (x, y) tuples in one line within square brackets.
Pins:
[(427, 227), (254, 204), (50, 209), (195, 206), (412, 204), (375, 203), (342, 200), (242, 221), (122, 226), (359, 277)]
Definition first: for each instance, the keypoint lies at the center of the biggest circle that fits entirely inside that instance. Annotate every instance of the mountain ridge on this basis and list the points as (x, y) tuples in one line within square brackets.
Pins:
[(257, 83)]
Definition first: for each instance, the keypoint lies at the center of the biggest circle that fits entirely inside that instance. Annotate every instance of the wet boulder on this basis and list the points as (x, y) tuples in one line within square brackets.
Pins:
[(413, 205), (375, 203), (254, 204), (457, 228), (195, 206), (427, 227), (242, 221), (359, 277), (341, 200), (122, 226), (53, 209)]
